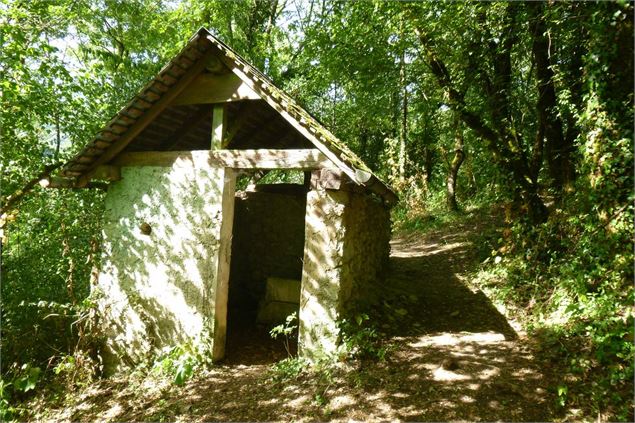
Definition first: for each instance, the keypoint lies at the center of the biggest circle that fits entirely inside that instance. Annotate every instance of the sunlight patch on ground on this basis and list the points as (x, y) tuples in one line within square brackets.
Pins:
[(473, 386), (379, 401), (342, 401), (447, 339), (399, 395), (467, 399), (489, 373), (430, 249), (442, 375), (113, 412), (524, 372), (299, 402), (495, 405)]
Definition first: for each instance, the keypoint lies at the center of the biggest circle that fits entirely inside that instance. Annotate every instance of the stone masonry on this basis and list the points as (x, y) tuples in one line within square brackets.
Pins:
[(346, 249)]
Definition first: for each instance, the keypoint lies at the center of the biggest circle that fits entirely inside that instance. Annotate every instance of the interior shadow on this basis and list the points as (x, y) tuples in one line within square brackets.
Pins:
[(267, 251)]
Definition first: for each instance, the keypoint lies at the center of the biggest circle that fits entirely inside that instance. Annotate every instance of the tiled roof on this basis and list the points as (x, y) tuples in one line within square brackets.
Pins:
[(117, 132)]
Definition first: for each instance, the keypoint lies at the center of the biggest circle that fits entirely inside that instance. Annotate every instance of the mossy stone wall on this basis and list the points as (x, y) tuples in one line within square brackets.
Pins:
[(346, 250)]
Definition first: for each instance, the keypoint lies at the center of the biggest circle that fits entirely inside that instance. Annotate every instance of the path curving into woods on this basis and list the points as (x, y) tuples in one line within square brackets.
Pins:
[(454, 356)]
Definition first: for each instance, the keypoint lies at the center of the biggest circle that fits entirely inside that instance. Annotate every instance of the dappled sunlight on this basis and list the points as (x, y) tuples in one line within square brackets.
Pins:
[(453, 356), (440, 374), (159, 294), (454, 339), (429, 249)]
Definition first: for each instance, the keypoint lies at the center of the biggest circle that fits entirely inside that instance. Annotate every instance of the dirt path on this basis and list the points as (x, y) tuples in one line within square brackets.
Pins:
[(454, 357)]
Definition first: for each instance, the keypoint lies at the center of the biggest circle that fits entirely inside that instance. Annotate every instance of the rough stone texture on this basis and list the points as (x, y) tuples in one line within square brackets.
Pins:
[(366, 251), (158, 289), (346, 249), (268, 242)]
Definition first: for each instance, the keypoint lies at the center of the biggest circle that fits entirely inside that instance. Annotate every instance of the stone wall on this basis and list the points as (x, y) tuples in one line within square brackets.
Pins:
[(268, 241), (158, 277), (346, 249), (366, 251)]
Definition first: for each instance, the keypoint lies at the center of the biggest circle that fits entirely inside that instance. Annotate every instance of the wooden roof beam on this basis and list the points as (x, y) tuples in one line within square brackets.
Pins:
[(300, 159), (184, 130), (153, 111), (208, 89)]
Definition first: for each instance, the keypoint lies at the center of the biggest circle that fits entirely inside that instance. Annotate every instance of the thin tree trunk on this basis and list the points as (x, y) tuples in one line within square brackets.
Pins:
[(58, 137), (363, 143), (403, 133), (66, 252), (459, 157)]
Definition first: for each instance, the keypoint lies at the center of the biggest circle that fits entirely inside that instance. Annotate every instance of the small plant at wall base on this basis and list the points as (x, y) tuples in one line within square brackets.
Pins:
[(359, 339), (288, 330), (290, 367), (180, 362)]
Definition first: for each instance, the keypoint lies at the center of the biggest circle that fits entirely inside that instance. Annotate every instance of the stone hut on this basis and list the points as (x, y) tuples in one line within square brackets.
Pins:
[(182, 245)]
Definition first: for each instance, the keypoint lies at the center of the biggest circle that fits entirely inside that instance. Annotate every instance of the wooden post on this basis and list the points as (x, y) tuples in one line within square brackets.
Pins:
[(225, 236), (224, 261), (218, 126)]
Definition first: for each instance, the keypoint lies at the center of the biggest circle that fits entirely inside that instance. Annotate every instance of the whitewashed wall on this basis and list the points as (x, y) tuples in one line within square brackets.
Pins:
[(158, 290)]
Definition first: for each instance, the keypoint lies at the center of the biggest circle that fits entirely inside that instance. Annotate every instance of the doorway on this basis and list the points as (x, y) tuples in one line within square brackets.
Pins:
[(265, 271)]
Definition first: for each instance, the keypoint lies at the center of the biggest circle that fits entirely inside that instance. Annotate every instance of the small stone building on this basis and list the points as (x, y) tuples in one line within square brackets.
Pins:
[(182, 245)]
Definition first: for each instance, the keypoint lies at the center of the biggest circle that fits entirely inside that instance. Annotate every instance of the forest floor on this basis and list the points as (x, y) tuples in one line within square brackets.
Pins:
[(452, 356)]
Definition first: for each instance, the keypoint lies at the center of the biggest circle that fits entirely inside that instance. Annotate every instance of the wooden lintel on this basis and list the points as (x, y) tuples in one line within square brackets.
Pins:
[(209, 89), (300, 159)]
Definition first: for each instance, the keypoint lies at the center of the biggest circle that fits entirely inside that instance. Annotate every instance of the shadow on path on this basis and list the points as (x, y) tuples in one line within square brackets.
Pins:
[(436, 299)]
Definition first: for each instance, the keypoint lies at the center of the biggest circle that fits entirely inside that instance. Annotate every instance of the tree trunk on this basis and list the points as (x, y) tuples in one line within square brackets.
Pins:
[(459, 157), (428, 165), (363, 143), (504, 143), (58, 136), (557, 148)]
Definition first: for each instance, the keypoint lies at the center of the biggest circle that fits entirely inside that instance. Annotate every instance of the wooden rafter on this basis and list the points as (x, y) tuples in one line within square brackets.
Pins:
[(184, 130), (154, 110)]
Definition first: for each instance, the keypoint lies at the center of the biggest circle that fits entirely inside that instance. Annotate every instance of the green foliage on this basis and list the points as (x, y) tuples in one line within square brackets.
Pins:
[(15, 383), (180, 362), (364, 70), (289, 329), (573, 276), (27, 378), (7, 411), (359, 339), (289, 368)]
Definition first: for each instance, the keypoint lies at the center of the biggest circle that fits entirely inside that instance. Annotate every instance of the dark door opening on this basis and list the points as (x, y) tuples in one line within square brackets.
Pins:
[(266, 270)]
